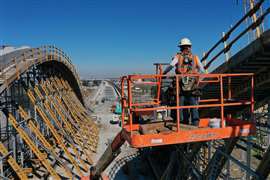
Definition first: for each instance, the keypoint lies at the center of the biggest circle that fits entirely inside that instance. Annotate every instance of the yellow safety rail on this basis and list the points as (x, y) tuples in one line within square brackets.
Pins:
[(78, 138), (22, 173), (70, 130), (41, 156), (78, 113), (68, 126), (57, 137), (88, 129), (40, 136), (85, 126), (52, 114)]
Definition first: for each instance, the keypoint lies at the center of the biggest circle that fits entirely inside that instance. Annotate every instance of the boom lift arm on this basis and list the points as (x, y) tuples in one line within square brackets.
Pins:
[(112, 151)]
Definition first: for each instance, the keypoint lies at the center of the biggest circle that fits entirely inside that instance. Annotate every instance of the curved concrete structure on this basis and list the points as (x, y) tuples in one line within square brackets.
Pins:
[(42, 106), (17, 62)]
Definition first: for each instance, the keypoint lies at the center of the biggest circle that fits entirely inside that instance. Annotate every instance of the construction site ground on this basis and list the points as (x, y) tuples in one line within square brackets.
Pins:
[(128, 165)]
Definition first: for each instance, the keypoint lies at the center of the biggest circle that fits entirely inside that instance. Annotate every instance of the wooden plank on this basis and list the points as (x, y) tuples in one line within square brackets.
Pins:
[(162, 127), (183, 127), (150, 128), (163, 130)]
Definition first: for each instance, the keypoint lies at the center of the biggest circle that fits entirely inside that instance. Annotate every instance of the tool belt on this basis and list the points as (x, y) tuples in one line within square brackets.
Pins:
[(189, 86)]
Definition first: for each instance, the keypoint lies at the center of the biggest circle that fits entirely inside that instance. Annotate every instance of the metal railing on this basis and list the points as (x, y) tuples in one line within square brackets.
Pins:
[(129, 107), (256, 25)]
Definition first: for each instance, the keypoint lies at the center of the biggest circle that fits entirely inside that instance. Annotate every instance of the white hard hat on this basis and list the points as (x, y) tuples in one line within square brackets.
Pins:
[(185, 42)]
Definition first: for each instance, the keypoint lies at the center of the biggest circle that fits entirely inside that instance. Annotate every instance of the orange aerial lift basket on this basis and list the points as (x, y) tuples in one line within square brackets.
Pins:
[(146, 119)]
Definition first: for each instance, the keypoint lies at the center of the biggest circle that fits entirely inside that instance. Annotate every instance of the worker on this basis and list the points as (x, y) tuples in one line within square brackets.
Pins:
[(187, 63)]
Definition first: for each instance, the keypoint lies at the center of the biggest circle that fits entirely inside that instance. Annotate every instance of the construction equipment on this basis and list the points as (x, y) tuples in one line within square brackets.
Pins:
[(145, 128), (41, 156), (141, 135)]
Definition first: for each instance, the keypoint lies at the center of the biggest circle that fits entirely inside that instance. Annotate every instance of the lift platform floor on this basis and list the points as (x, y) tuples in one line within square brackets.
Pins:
[(164, 133), (163, 128)]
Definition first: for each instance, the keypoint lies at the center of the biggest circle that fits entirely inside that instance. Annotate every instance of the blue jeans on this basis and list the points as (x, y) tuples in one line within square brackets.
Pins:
[(184, 113)]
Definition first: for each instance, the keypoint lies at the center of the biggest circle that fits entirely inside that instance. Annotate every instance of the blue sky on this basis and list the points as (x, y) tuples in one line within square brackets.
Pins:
[(111, 38)]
